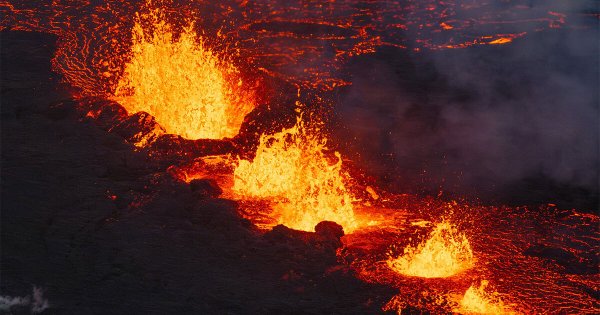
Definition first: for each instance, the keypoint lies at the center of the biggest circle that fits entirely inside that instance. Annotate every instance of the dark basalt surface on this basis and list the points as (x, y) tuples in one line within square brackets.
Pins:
[(103, 229)]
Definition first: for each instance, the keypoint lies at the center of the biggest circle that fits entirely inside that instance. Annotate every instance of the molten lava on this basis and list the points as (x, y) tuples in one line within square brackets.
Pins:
[(479, 301), (189, 89), (445, 253), (295, 169)]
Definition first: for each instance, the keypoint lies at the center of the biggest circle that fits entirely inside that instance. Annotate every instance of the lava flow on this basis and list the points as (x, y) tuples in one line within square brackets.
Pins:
[(305, 180), (189, 89)]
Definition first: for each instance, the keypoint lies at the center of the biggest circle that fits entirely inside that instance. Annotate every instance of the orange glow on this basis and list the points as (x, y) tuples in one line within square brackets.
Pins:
[(479, 301), (190, 90), (445, 253), (305, 180)]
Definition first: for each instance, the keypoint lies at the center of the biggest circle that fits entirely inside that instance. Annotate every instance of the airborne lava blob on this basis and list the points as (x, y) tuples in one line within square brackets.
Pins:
[(445, 253), (305, 180), (190, 90)]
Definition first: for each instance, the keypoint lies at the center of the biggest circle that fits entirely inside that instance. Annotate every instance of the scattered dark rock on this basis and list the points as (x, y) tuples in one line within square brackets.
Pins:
[(217, 215), (266, 118), (170, 148), (328, 236), (206, 188), (139, 128), (321, 245), (282, 233), (106, 114), (329, 230)]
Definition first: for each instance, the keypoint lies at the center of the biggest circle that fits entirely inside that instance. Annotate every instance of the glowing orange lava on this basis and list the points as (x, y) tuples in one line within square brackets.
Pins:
[(189, 89), (445, 253), (296, 170), (477, 300), (501, 40)]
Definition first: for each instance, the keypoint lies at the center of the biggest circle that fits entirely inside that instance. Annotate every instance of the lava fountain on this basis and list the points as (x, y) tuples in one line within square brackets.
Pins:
[(445, 253), (190, 90), (478, 300), (295, 169)]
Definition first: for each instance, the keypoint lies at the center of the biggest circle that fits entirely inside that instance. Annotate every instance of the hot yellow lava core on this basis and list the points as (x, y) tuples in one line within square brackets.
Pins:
[(445, 253), (294, 169), (189, 89), (478, 301)]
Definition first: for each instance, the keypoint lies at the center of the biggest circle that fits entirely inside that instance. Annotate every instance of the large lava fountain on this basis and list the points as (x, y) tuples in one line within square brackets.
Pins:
[(189, 89)]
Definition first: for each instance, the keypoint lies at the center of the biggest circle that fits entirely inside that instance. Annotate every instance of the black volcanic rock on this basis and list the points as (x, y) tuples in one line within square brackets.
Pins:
[(329, 230), (206, 188), (62, 110), (571, 263), (140, 127), (283, 234), (322, 244), (328, 236), (173, 148), (106, 114), (265, 119)]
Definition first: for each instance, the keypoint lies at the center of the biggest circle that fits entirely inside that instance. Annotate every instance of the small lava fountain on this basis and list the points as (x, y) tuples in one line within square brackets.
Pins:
[(445, 253), (295, 169), (478, 300), (190, 90)]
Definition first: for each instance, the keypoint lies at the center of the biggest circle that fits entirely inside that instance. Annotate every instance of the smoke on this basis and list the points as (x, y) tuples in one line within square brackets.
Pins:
[(483, 118), (6, 302), (36, 303)]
